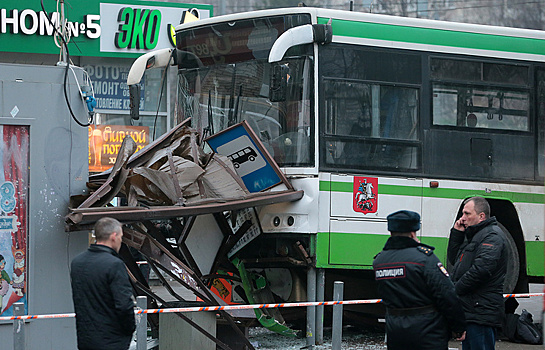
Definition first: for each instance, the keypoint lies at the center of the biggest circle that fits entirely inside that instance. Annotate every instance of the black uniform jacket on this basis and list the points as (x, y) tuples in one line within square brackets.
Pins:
[(480, 262), (103, 300), (422, 306)]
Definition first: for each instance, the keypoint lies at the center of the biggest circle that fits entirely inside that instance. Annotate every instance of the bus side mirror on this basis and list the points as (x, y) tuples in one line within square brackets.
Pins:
[(134, 99), (279, 83)]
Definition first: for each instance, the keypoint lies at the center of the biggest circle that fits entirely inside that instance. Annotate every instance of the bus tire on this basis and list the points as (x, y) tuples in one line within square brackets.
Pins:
[(513, 261)]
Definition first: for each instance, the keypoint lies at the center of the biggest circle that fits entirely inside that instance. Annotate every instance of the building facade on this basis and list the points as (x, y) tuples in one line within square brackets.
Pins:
[(50, 141)]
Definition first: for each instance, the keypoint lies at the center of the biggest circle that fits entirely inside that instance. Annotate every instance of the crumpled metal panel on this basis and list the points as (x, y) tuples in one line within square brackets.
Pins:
[(220, 180), (159, 254), (187, 172), (153, 187)]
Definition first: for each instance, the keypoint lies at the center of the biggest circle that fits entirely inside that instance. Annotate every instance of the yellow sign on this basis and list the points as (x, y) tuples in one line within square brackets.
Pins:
[(187, 16)]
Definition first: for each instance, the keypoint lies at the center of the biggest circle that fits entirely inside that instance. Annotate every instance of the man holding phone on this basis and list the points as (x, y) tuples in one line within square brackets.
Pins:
[(476, 249)]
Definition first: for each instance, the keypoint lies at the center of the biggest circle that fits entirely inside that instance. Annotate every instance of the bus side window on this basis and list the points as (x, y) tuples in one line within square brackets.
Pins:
[(368, 121), (541, 122)]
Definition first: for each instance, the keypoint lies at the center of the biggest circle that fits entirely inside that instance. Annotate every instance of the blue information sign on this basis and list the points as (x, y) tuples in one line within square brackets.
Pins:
[(251, 162)]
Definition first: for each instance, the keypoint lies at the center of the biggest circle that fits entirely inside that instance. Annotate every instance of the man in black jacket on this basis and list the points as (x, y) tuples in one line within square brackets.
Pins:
[(102, 292), (476, 248), (422, 309)]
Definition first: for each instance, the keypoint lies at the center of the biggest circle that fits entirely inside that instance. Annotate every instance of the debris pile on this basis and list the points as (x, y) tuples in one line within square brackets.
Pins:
[(179, 205), (150, 189)]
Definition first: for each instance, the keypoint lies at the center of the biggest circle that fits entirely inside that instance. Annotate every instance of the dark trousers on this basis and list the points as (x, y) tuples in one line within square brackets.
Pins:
[(418, 332), (479, 337)]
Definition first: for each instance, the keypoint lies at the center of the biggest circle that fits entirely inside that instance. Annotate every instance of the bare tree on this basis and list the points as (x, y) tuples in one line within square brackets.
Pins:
[(512, 13), (271, 4)]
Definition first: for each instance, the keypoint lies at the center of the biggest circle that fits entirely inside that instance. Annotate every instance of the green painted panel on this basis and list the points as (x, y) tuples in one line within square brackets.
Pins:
[(535, 257), (325, 186), (415, 191), (354, 249), (433, 36), (440, 244), (322, 249), (451, 193), (448, 193), (340, 186), (322, 255)]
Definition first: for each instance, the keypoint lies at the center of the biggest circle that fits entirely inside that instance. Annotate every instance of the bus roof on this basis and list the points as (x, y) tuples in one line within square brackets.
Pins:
[(411, 33)]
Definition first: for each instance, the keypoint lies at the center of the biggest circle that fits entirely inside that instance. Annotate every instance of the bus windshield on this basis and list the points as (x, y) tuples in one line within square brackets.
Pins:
[(232, 81)]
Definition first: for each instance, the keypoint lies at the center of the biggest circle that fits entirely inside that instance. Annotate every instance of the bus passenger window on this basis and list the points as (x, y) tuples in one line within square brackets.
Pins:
[(366, 123), (541, 122), (492, 96), (486, 107)]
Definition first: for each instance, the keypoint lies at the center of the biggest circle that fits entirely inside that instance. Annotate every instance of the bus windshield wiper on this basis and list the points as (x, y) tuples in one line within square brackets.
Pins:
[(210, 128)]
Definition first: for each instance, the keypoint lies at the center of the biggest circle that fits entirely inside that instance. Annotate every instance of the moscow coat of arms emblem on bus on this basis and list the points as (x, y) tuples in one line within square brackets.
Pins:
[(365, 194)]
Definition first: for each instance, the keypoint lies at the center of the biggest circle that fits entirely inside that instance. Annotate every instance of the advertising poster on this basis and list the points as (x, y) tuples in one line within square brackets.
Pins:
[(13, 217), (105, 142), (110, 87)]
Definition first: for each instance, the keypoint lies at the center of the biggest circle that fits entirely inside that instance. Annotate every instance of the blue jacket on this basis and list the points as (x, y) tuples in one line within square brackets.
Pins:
[(103, 300)]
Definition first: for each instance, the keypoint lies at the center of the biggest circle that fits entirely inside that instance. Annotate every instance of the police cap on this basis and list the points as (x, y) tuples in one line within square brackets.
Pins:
[(403, 221)]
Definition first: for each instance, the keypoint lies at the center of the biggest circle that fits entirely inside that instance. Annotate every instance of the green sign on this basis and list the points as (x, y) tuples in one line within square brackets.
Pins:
[(95, 28)]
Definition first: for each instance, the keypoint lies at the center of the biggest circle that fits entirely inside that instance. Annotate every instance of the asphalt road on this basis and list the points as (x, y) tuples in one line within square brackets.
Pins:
[(358, 339)]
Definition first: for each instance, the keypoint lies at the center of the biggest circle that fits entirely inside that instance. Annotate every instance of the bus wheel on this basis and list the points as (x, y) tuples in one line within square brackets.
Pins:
[(513, 261)]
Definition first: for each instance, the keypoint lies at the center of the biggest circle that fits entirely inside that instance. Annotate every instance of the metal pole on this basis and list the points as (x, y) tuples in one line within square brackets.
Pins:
[(337, 326), (142, 324), (320, 292), (63, 29), (18, 327), (543, 328), (311, 310)]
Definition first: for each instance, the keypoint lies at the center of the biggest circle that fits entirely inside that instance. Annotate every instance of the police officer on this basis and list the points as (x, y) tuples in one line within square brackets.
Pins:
[(422, 309)]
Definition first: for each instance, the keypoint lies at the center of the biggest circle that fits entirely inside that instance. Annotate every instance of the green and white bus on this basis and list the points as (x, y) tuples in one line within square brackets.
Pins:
[(370, 114)]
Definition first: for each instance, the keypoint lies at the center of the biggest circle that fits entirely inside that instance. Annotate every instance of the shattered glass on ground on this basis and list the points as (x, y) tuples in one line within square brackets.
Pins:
[(352, 338)]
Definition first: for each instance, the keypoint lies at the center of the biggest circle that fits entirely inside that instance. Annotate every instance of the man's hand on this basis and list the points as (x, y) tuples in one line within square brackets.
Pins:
[(460, 337), (458, 225)]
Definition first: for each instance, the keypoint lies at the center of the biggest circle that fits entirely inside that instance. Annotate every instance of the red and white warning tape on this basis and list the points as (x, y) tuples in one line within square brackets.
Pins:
[(523, 295), (239, 307)]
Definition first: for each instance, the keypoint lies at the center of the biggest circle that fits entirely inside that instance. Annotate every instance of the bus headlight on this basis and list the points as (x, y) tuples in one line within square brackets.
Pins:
[(291, 220), (284, 222)]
